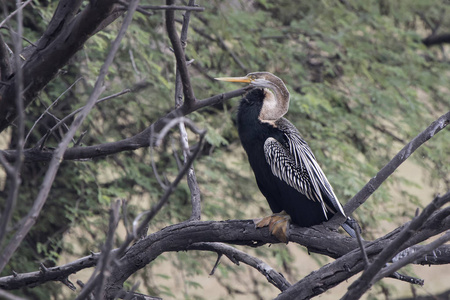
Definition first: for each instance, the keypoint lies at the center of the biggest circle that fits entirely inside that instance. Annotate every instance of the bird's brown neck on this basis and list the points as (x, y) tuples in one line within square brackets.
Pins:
[(276, 103)]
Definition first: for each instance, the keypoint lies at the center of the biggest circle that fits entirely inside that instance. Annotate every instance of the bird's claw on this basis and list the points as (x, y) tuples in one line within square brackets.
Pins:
[(278, 225)]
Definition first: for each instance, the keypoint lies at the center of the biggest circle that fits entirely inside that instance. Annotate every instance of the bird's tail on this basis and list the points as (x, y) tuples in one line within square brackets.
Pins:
[(350, 226)]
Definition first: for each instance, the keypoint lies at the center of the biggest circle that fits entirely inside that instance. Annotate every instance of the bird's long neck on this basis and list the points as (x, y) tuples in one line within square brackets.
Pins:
[(276, 102)]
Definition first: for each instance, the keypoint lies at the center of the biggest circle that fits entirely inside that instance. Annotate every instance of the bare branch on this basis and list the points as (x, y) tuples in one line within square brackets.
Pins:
[(179, 55), (181, 236), (41, 142), (359, 287), (436, 39), (57, 156), (32, 279), (18, 10), (50, 106), (236, 256), (67, 32), (142, 139), (173, 7), (390, 167), (14, 175), (424, 250)]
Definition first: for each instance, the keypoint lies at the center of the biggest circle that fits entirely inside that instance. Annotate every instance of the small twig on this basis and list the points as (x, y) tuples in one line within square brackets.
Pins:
[(19, 9), (50, 106), (42, 141), (172, 7), (168, 191), (8, 296), (216, 264), (361, 246), (107, 255), (191, 177), (189, 97), (69, 284), (236, 256)]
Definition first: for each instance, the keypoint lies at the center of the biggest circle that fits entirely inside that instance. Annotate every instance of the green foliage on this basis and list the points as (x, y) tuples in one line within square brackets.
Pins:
[(361, 82)]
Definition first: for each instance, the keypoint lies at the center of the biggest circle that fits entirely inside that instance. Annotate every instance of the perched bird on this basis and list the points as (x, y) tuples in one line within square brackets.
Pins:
[(285, 168)]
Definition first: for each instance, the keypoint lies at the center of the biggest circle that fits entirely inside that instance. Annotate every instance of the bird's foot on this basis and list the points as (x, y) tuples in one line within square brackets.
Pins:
[(278, 225)]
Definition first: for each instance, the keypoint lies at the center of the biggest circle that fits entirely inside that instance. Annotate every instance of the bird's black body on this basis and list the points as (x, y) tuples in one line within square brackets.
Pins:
[(281, 196)]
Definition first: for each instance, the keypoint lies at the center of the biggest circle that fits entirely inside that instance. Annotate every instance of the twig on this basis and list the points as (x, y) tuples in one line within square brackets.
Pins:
[(41, 142), (107, 255), (50, 106), (8, 296), (142, 139), (412, 257), (361, 246), (236, 256), (168, 191), (191, 177), (216, 264), (57, 156), (17, 11), (14, 175), (189, 97), (172, 7), (360, 286)]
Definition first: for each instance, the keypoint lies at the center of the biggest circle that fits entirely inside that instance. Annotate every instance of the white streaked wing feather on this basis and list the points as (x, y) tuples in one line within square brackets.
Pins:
[(298, 167)]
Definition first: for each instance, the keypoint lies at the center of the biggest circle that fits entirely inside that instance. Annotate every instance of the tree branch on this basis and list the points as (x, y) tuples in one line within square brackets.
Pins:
[(57, 156), (390, 167), (181, 237), (236, 256), (359, 287), (352, 263), (189, 97), (64, 36), (142, 139), (436, 39)]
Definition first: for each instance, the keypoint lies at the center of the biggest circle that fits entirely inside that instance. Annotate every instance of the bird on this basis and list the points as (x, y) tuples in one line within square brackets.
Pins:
[(285, 168)]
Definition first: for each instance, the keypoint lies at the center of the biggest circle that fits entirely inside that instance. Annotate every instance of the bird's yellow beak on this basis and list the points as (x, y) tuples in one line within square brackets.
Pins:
[(235, 79)]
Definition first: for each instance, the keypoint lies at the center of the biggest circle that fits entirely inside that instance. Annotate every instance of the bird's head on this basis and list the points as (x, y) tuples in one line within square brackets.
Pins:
[(276, 99)]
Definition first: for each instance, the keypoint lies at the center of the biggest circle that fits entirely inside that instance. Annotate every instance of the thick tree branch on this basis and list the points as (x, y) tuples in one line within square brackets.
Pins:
[(65, 35), (181, 237), (352, 263), (436, 39), (317, 239)]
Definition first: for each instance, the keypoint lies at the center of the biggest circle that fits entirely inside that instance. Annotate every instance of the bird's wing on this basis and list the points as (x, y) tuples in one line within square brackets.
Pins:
[(297, 166)]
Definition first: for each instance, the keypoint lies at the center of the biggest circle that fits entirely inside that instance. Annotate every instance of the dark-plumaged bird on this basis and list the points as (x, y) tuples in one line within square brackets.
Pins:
[(285, 168)]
